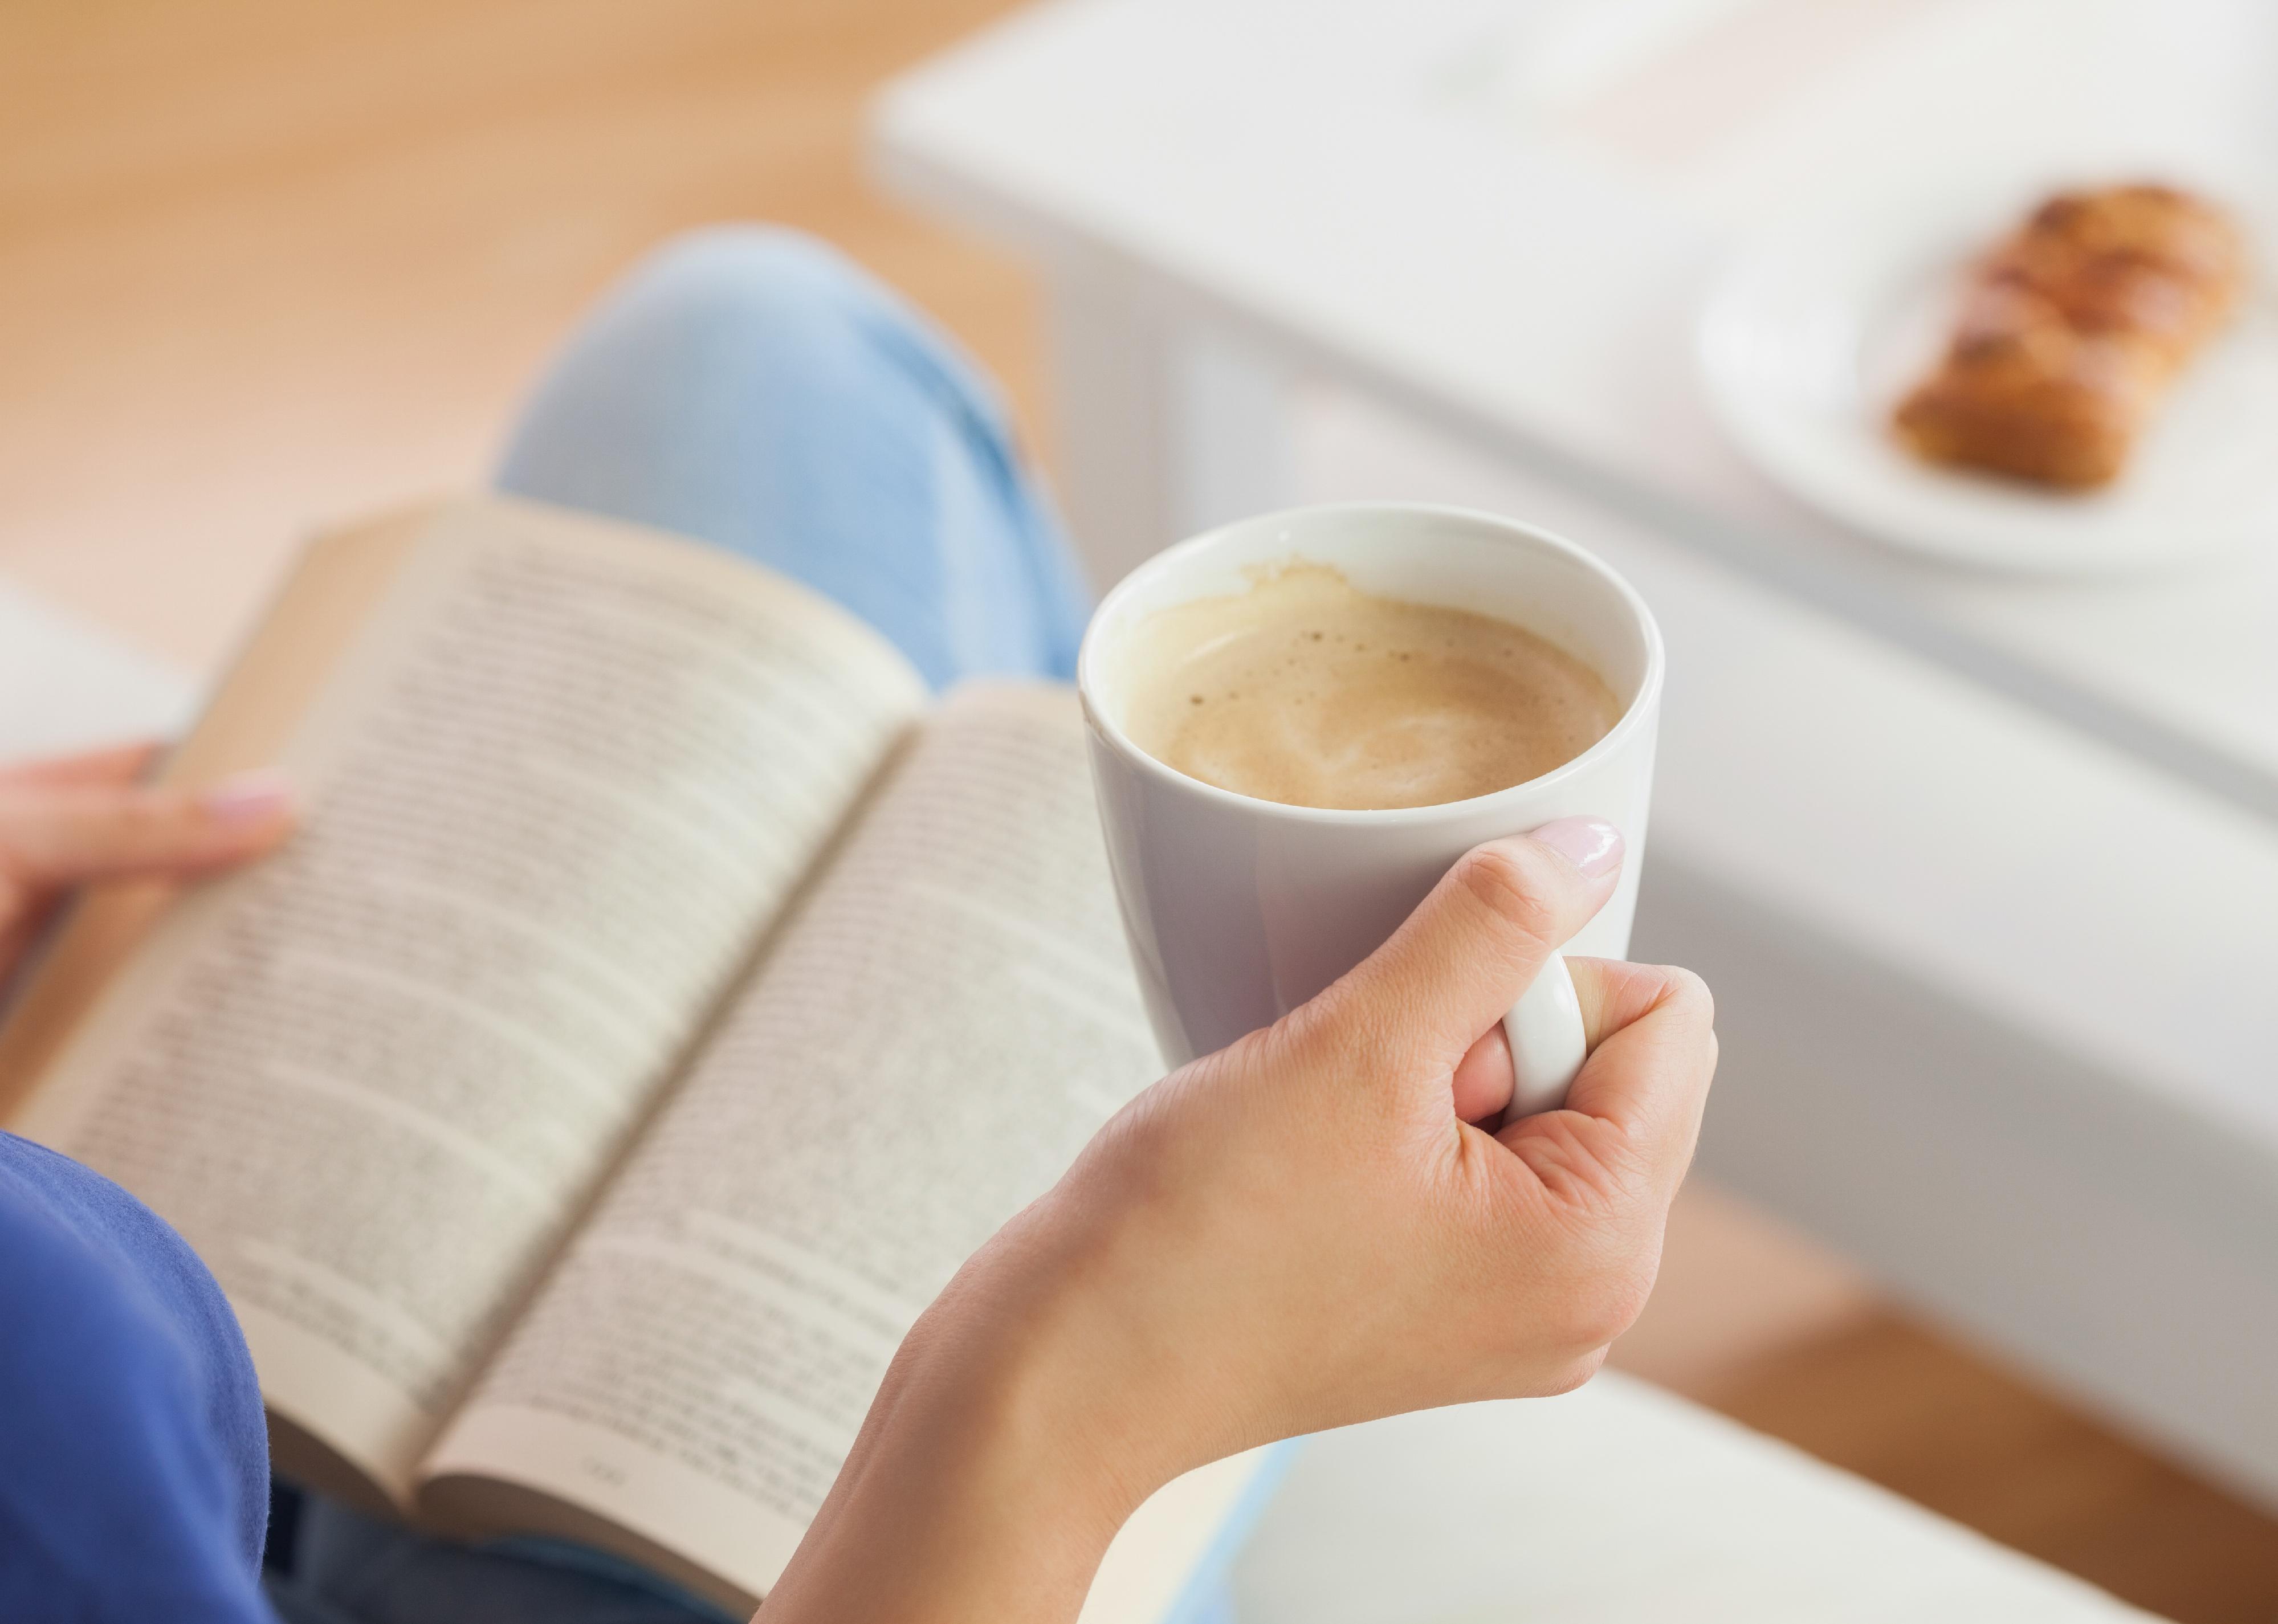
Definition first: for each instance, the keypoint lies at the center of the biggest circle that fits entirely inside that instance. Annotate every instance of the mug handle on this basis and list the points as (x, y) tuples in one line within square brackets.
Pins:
[(1547, 1044)]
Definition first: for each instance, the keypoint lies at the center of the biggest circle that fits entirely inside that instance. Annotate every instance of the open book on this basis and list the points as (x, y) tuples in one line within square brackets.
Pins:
[(658, 1002)]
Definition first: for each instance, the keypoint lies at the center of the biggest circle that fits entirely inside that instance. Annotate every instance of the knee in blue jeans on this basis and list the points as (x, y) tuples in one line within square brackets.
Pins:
[(807, 311), (740, 272), (752, 387)]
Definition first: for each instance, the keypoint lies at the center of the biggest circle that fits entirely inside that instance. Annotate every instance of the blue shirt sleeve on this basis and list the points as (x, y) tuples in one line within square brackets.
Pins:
[(133, 1454)]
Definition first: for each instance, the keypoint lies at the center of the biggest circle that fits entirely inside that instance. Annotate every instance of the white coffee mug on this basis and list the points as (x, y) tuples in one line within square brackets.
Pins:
[(1238, 910)]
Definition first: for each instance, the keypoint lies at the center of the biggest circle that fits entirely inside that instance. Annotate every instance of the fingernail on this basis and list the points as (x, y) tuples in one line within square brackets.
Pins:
[(1590, 844), (249, 797)]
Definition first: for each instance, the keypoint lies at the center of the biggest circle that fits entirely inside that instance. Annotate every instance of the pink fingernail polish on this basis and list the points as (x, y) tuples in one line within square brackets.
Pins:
[(249, 797), (1590, 844)]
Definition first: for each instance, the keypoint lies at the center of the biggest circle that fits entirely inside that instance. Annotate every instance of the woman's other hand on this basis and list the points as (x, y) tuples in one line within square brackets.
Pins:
[(80, 819), (1324, 1223)]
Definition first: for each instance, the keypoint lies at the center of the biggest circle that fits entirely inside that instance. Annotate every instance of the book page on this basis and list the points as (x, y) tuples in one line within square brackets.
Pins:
[(563, 777), (948, 1018)]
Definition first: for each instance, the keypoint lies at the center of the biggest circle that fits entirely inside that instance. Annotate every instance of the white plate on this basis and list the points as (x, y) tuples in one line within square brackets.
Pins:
[(1815, 330)]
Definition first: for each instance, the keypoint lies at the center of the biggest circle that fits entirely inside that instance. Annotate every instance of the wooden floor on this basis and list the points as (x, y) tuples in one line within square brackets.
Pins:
[(263, 263)]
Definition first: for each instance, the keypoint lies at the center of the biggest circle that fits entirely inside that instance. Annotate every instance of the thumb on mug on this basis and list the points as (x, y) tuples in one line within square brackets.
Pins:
[(1454, 967)]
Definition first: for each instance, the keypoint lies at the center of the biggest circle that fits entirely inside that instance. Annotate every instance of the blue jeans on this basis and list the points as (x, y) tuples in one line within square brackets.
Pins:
[(751, 388)]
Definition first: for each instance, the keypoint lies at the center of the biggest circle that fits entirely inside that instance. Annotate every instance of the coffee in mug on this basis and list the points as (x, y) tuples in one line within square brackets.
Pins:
[(1306, 690), (1259, 858)]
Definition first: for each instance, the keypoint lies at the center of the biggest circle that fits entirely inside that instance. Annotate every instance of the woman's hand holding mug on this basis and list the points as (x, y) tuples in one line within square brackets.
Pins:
[(1320, 1223)]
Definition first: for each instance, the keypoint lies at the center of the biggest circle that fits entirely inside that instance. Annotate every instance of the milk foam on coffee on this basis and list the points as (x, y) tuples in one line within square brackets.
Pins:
[(1307, 691)]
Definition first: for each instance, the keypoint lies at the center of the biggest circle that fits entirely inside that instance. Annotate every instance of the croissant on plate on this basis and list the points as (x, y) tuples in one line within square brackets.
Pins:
[(2071, 330)]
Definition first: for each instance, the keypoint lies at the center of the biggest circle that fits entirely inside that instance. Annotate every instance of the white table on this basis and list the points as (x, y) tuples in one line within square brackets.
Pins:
[(1985, 872)]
